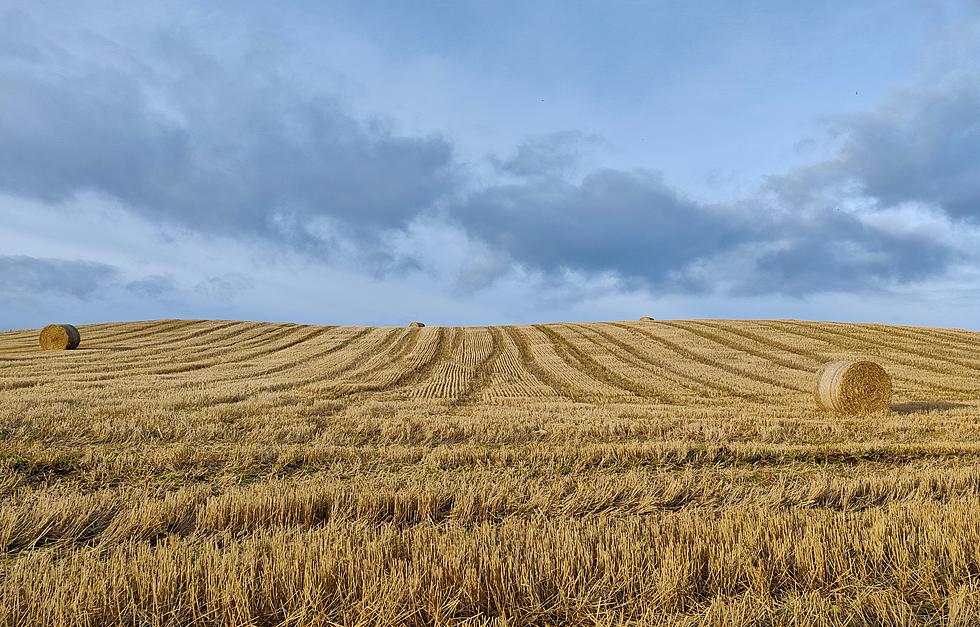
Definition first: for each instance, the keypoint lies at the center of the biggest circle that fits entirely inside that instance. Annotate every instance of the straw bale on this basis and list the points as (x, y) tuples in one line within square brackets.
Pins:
[(646, 319), (416, 325), (60, 337), (853, 387)]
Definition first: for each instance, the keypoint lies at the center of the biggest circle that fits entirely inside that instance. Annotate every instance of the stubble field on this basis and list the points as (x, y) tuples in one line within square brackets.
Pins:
[(670, 472)]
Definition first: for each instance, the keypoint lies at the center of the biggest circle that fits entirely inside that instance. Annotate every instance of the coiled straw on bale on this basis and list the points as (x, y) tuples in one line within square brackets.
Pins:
[(416, 325), (853, 387), (60, 337)]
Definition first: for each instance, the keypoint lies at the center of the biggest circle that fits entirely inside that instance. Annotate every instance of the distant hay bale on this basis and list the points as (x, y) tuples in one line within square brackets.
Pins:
[(60, 337), (853, 387), (416, 325), (646, 319)]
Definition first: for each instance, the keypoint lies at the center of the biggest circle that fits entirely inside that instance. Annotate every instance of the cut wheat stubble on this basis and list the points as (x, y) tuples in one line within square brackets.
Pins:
[(232, 492)]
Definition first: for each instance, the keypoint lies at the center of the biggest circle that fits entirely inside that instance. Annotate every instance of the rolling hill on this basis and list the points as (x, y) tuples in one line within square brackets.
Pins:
[(661, 472)]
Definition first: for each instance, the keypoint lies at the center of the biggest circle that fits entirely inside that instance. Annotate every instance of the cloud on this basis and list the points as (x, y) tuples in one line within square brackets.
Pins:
[(22, 275), (225, 286), (808, 232), (225, 144), (550, 154), (154, 286), (854, 222), (841, 253), (923, 147), (627, 222)]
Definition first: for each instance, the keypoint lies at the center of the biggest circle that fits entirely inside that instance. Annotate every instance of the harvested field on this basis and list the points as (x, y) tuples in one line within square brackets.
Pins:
[(642, 472)]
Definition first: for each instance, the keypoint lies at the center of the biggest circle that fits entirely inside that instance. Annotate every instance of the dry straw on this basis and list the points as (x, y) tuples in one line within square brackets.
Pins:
[(853, 387), (416, 325), (646, 319), (61, 337)]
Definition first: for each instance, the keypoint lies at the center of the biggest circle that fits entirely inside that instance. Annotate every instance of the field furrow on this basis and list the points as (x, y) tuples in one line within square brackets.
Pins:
[(313, 366), (309, 355), (122, 359), (511, 376), (900, 343), (428, 350), (672, 380), (25, 345), (877, 344), (908, 371), (663, 355), (928, 339), (706, 364), (611, 366), (550, 378), (761, 369)]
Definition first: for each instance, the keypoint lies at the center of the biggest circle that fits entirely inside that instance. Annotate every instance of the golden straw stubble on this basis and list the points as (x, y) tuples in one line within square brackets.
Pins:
[(60, 337), (853, 387)]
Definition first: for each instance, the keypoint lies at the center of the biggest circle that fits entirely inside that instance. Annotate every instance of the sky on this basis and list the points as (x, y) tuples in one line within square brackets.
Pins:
[(472, 162)]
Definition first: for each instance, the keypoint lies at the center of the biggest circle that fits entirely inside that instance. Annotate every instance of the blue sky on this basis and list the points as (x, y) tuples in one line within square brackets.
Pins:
[(489, 162)]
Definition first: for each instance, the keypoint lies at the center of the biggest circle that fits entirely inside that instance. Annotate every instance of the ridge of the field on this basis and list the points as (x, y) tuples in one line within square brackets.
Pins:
[(664, 362), (192, 472)]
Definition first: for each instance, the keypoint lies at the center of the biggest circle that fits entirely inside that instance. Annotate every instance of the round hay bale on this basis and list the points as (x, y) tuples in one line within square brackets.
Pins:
[(416, 325), (60, 337), (853, 387), (646, 319)]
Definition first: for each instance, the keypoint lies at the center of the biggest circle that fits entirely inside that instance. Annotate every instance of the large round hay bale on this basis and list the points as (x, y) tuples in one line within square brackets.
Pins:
[(416, 325), (60, 337), (853, 387), (646, 319)]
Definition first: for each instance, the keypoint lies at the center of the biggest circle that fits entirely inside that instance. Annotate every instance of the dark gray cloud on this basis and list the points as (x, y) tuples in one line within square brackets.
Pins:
[(228, 145), (629, 223), (626, 222), (925, 147), (20, 275), (839, 253)]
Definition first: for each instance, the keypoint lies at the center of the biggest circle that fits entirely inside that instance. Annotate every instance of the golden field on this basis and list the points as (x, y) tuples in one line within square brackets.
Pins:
[(670, 472)]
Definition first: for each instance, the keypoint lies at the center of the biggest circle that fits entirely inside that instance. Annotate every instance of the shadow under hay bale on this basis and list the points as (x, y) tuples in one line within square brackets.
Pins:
[(853, 387), (59, 337), (922, 407)]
